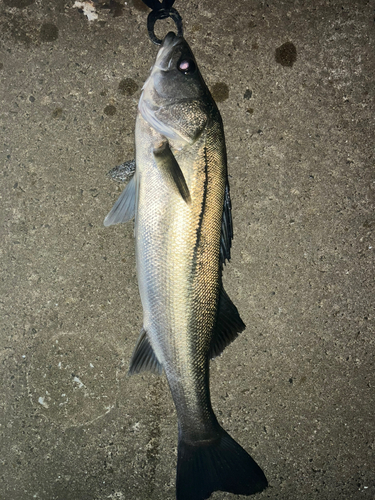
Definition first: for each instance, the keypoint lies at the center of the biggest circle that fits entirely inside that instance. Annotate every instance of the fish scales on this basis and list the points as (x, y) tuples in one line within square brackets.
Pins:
[(179, 196), (182, 264)]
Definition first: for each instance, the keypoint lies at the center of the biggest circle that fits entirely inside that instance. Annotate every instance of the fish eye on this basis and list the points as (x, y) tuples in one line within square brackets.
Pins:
[(186, 66)]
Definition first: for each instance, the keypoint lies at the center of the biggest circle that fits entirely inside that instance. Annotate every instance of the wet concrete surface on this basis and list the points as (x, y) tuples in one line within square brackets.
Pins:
[(295, 85)]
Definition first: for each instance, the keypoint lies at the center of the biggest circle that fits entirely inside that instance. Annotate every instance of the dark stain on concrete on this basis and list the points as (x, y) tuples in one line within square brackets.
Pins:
[(220, 91), (248, 93), (20, 4), (139, 5), (49, 32), (16, 27), (195, 28), (115, 7), (110, 110), (127, 86), (1, 65), (56, 113), (286, 54)]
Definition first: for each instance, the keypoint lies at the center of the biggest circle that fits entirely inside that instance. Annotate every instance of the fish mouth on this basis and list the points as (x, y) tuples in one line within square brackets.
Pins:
[(169, 39), (164, 58), (163, 61)]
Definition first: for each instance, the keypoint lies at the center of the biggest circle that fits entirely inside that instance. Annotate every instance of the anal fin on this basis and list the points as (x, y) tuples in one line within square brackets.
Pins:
[(144, 358)]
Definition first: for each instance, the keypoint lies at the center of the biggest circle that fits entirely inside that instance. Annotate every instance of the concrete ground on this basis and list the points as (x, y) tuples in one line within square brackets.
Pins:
[(294, 81)]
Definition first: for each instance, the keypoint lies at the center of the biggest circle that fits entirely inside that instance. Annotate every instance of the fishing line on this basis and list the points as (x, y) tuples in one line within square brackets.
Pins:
[(161, 10)]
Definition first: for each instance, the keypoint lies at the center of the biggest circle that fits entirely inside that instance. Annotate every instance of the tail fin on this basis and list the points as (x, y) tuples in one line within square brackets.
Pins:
[(221, 464)]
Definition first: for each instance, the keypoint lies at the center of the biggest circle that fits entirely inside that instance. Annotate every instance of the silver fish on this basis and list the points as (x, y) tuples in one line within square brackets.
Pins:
[(180, 198)]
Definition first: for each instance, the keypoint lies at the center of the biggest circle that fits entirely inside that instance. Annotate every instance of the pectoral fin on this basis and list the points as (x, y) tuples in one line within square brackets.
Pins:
[(124, 208), (228, 325), (144, 357), (171, 171)]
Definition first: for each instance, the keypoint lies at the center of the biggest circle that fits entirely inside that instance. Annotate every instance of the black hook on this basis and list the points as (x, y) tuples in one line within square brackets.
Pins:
[(163, 14), (162, 10), (156, 5)]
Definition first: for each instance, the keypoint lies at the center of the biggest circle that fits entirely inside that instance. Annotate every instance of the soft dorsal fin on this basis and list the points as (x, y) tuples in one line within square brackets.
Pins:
[(226, 228), (171, 171), (144, 358), (228, 325), (124, 208)]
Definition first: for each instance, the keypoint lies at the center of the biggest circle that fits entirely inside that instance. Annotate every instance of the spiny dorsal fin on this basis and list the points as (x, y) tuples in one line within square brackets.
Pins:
[(228, 325), (171, 171), (226, 228), (144, 357)]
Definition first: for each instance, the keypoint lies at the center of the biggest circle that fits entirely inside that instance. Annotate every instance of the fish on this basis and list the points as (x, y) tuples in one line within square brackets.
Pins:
[(180, 200)]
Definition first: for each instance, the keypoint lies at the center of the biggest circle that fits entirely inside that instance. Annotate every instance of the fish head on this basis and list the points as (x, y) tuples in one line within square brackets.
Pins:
[(175, 72), (175, 100)]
